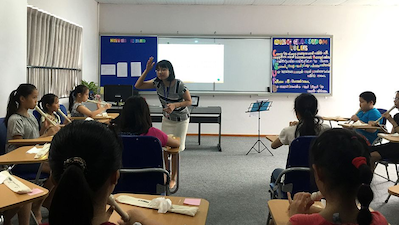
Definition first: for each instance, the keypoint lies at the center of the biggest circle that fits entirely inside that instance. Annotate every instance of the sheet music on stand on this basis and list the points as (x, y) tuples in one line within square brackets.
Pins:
[(257, 107)]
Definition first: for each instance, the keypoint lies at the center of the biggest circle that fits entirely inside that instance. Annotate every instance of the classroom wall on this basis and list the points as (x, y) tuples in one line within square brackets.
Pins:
[(12, 48), (365, 51)]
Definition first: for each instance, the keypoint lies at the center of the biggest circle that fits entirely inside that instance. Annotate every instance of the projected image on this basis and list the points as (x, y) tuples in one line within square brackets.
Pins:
[(195, 63)]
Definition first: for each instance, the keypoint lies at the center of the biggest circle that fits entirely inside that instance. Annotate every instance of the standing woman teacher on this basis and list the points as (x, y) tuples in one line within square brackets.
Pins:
[(174, 97)]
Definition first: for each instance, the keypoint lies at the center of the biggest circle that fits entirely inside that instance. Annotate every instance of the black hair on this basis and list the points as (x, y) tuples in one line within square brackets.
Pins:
[(368, 96), (333, 152), (166, 64), (23, 90), (47, 99), (306, 106), (76, 185), (80, 89), (135, 116)]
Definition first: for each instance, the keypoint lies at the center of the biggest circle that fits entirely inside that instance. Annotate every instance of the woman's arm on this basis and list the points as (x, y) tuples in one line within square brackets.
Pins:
[(187, 101), (141, 83)]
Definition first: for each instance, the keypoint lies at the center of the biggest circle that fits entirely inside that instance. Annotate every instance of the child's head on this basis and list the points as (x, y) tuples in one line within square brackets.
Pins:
[(135, 116), (84, 158), (306, 108), (396, 100), (80, 93), (367, 100), (49, 103), (25, 96), (341, 164), (165, 70)]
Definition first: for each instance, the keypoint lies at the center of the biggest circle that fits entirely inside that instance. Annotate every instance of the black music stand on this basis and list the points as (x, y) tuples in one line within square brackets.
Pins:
[(258, 106)]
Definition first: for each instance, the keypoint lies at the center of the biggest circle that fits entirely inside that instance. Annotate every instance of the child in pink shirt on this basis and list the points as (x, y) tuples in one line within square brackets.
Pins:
[(340, 162)]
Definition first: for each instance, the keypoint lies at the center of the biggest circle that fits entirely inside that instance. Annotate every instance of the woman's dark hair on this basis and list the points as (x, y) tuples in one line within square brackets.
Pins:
[(23, 90), (135, 116), (76, 184), (47, 99), (166, 64), (80, 89), (333, 153), (368, 96), (306, 106)]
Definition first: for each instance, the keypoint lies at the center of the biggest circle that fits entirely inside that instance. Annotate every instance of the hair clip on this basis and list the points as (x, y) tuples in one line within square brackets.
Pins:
[(358, 161), (75, 161)]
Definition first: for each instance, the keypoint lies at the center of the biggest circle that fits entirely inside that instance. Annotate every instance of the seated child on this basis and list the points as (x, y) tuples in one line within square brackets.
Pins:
[(85, 158), (49, 104), (306, 109), (388, 150), (135, 118), (340, 163), (367, 113), (76, 98)]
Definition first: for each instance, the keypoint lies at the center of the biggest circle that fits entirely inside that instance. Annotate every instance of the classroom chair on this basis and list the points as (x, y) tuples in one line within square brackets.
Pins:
[(142, 166), (3, 136), (297, 176), (64, 110)]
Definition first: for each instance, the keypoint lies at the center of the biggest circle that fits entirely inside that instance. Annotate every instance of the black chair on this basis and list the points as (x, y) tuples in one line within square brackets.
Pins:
[(143, 167), (296, 177), (3, 136), (64, 110)]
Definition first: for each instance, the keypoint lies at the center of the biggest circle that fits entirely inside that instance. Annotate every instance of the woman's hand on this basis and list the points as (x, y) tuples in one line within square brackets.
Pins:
[(293, 123), (150, 64), (170, 107), (300, 204), (135, 215), (52, 130)]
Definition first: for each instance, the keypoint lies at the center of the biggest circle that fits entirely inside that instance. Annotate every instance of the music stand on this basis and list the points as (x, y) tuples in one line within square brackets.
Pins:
[(258, 106)]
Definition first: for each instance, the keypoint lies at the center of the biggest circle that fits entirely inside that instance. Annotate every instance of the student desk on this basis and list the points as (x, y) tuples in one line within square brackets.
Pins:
[(394, 190), (102, 119), (346, 125), (198, 115), (272, 138), (35, 141), (389, 137), (10, 199), (278, 209), (19, 156), (167, 218), (334, 118)]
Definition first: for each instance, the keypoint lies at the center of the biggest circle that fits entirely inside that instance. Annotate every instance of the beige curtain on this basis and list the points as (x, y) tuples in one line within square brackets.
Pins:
[(54, 53)]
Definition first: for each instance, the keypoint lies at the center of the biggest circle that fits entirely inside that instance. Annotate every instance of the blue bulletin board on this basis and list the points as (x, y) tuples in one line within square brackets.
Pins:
[(301, 64), (124, 58)]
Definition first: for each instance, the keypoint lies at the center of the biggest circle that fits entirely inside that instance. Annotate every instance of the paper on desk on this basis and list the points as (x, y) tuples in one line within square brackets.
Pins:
[(43, 151), (15, 185), (186, 210), (2, 178), (192, 201), (33, 150), (359, 123)]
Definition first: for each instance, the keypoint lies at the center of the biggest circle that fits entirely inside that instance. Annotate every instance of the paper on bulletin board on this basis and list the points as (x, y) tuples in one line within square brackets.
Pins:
[(107, 69), (136, 69), (122, 69)]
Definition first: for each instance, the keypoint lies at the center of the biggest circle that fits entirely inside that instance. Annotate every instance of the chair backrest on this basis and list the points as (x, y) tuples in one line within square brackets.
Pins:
[(141, 152), (64, 110), (37, 116), (382, 111), (3, 136), (298, 156)]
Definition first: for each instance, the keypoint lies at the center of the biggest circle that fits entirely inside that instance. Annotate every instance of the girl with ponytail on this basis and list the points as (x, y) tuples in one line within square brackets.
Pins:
[(341, 166), (306, 109), (76, 98)]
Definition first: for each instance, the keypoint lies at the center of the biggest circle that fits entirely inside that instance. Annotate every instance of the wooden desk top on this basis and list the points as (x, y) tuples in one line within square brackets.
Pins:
[(394, 190), (10, 199), (109, 117), (390, 137), (367, 126), (272, 138), (335, 118), (168, 218), (279, 210), (19, 156), (35, 141)]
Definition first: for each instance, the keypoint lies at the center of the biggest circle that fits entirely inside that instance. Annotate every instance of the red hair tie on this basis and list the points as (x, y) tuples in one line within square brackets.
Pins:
[(358, 161)]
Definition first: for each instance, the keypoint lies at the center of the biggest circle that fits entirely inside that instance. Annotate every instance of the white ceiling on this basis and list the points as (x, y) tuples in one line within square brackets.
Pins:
[(259, 2)]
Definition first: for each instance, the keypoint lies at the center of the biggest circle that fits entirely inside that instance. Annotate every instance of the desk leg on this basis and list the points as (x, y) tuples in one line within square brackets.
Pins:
[(219, 136), (199, 132)]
